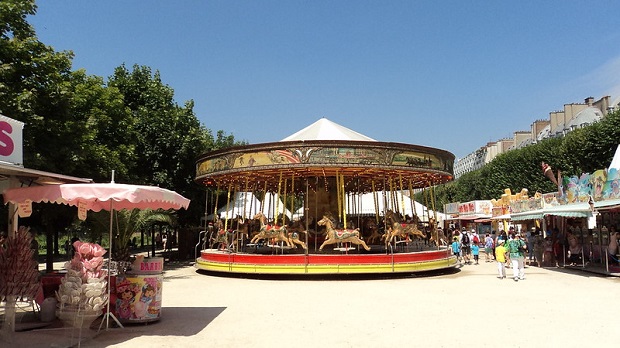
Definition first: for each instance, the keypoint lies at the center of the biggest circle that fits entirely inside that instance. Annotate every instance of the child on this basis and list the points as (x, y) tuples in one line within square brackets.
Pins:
[(456, 248), (475, 251), (500, 257)]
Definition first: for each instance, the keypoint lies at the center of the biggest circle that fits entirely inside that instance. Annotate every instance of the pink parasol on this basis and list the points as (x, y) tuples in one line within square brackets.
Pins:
[(97, 197)]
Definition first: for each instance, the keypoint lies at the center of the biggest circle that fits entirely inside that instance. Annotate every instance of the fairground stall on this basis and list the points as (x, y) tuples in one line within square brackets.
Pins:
[(345, 205), (579, 222), (471, 216)]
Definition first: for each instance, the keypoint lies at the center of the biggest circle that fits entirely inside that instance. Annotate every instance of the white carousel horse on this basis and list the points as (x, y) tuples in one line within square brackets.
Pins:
[(277, 233), (340, 236)]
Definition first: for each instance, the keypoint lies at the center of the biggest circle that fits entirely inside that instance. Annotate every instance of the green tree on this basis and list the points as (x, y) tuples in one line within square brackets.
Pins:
[(583, 150), (169, 137), (33, 83), (125, 224)]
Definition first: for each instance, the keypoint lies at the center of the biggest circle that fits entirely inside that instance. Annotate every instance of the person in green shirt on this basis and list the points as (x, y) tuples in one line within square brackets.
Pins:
[(516, 251)]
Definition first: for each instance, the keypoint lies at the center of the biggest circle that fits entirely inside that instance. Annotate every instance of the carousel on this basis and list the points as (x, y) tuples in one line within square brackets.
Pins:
[(325, 200)]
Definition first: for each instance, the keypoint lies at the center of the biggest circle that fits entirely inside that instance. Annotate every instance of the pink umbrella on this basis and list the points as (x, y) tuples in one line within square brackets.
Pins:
[(97, 197)]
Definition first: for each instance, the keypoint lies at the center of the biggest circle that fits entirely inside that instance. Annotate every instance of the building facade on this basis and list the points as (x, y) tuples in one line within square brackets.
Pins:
[(559, 123)]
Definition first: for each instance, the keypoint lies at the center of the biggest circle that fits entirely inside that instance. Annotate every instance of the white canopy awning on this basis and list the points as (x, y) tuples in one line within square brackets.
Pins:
[(246, 205)]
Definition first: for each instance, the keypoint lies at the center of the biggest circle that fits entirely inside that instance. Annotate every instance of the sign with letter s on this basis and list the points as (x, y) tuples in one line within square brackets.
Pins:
[(11, 139)]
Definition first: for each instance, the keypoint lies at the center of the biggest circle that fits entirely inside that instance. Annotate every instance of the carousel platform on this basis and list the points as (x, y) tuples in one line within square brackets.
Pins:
[(342, 262)]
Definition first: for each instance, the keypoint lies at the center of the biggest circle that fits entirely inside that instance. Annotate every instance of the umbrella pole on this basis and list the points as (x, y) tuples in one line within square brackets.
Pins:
[(109, 314)]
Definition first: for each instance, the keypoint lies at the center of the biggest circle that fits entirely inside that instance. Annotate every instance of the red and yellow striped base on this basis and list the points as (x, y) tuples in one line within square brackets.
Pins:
[(221, 261)]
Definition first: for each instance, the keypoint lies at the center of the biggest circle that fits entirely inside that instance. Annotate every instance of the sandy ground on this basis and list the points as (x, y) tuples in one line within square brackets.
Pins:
[(468, 307)]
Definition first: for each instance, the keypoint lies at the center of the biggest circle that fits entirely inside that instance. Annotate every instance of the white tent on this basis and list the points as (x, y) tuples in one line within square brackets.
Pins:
[(615, 162), (271, 202), (246, 204), (398, 201)]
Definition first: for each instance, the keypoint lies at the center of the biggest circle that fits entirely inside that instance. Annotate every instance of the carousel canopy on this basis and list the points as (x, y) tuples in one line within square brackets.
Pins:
[(325, 150), (325, 129)]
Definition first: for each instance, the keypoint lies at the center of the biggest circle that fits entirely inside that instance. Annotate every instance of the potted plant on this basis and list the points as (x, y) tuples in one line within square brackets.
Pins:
[(82, 294)]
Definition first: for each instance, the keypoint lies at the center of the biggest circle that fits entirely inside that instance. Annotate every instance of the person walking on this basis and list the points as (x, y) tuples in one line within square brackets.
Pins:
[(529, 240), (488, 248), (516, 251), (475, 251), (500, 258), (456, 248), (539, 248), (465, 246)]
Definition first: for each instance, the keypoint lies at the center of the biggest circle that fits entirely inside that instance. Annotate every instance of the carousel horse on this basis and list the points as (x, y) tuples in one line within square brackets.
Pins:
[(398, 229), (218, 237), (293, 237), (340, 236), (371, 225), (436, 233), (276, 233), (241, 227), (295, 229), (221, 238)]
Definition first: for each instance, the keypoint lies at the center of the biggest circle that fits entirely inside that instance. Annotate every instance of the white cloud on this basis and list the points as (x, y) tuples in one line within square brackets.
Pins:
[(604, 80)]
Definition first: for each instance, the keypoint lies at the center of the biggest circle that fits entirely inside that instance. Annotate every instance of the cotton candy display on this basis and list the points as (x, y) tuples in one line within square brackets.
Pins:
[(19, 274), (84, 285)]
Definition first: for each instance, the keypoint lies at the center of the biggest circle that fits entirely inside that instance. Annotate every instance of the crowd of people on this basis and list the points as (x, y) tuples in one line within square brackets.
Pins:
[(507, 249)]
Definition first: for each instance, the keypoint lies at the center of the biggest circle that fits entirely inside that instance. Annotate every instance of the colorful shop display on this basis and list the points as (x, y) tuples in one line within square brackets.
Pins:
[(139, 292)]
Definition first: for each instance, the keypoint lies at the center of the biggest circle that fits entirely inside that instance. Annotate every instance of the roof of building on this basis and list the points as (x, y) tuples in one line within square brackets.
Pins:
[(586, 116)]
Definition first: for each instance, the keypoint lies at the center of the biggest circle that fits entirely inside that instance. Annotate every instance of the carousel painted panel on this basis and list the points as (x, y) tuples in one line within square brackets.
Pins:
[(346, 155)]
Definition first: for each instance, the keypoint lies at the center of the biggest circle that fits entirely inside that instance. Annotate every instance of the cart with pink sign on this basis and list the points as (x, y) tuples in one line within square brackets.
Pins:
[(137, 295), (96, 197)]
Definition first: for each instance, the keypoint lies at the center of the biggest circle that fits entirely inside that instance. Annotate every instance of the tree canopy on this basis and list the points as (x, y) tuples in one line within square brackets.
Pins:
[(583, 150), (86, 126)]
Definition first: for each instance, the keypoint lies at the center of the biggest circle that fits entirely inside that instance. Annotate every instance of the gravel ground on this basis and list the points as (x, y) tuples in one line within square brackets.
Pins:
[(467, 307)]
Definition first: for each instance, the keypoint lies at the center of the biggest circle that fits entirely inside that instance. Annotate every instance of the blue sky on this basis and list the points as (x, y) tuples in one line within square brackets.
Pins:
[(447, 74)]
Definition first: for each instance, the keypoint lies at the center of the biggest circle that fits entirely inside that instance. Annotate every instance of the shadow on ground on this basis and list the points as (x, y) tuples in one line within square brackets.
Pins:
[(175, 321), (328, 277)]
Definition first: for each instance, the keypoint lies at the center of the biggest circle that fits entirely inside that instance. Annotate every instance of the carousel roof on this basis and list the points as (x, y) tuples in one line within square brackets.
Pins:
[(324, 129), (325, 149)]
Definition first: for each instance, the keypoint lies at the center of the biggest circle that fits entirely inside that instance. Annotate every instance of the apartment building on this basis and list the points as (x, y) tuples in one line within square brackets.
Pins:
[(559, 123)]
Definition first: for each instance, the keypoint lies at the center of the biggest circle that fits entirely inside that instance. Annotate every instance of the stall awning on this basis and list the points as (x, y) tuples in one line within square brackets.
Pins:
[(608, 204), (502, 217), (576, 210), (473, 217), (527, 215)]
